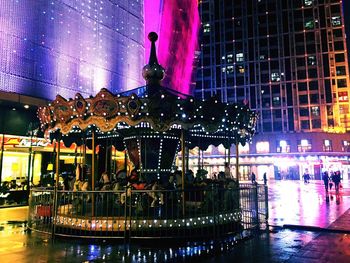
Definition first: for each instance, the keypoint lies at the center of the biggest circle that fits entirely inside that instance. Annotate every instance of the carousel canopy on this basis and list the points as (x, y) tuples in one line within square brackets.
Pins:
[(152, 108)]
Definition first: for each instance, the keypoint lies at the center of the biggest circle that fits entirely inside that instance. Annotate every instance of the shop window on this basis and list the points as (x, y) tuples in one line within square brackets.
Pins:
[(262, 147), (327, 145), (346, 146), (283, 146), (304, 145), (244, 149)]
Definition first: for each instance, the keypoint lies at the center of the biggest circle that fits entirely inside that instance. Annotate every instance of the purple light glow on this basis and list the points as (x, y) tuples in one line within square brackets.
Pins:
[(64, 47), (178, 39)]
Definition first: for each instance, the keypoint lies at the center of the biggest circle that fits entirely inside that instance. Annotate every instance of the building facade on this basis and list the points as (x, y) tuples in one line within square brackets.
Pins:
[(58, 47), (288, 60), (66, 47)]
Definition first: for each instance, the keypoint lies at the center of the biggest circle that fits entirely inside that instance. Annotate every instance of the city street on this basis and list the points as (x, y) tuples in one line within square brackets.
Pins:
[(302, 225)]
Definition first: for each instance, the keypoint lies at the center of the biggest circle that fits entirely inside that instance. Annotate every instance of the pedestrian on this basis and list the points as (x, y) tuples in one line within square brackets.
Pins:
[(336, 179), (325, 179), (265, 178), (253, 177)]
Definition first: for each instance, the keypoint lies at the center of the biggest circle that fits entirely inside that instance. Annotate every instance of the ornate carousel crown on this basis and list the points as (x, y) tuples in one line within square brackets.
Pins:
[(153, 73)]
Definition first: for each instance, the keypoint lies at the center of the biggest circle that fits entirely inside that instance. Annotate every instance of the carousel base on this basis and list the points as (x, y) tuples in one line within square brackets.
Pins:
[(123, 227)]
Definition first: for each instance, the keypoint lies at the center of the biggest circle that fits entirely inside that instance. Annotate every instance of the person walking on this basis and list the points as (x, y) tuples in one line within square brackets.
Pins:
[(325, 179), (336, 179), (265, 178)]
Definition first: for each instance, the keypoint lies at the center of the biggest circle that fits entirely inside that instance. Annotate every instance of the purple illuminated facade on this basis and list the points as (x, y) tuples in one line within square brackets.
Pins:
[(64, 47), (177, 23)]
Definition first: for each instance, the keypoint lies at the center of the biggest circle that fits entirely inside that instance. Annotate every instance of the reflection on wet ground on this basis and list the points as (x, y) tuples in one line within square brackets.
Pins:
[(19, 246), (296, 203), (289, 203)]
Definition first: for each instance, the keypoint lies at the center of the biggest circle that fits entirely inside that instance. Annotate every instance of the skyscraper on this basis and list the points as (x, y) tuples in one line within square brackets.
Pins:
[(288, 60)]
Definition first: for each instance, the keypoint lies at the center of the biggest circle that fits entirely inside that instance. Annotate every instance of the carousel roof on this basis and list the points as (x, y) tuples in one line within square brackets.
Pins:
[(151, 106)]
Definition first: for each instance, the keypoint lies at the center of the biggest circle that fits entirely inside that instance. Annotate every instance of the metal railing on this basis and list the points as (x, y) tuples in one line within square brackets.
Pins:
[(210, 211)]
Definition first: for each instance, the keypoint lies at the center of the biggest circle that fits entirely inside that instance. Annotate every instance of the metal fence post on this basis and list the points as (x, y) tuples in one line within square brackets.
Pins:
[(257, 206), (266, 206)]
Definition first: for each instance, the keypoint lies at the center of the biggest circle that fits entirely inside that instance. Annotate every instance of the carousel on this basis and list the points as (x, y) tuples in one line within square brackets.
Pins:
[(147, 195)]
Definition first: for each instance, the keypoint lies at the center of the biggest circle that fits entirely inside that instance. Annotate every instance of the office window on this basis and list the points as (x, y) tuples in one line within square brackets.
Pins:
[(341, 83), (341, 71), (304, 145), (336, 21), (309, 24), (239, 57), (327, 145), (311, 60), (343, 96), (315, 111), (308, 2), (206, 28), (275, 76)]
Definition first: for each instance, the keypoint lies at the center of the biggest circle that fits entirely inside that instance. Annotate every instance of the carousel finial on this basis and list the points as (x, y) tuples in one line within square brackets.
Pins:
[(153, 73)]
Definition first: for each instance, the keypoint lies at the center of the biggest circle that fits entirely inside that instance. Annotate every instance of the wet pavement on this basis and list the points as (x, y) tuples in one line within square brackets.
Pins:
[(304, 228)]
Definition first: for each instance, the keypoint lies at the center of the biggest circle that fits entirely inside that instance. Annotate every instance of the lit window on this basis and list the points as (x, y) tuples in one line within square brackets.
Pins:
[(262, 57), (343, 96), (239, 57), (315, 111), (229, 58), (304, 145), (343, 109), (206, 28), (262, 147), (336, 21), (229, 69), (244, 149), (311, 60), (346, 146), (276, 101), (284, 147), (309, 24), (275, 76), (240, 69), (327, 145), (308, 2)]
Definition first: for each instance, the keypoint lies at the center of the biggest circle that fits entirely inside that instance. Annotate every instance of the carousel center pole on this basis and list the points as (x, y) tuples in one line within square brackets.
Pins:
[(93, 172), (183, 170), (237, 161)]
